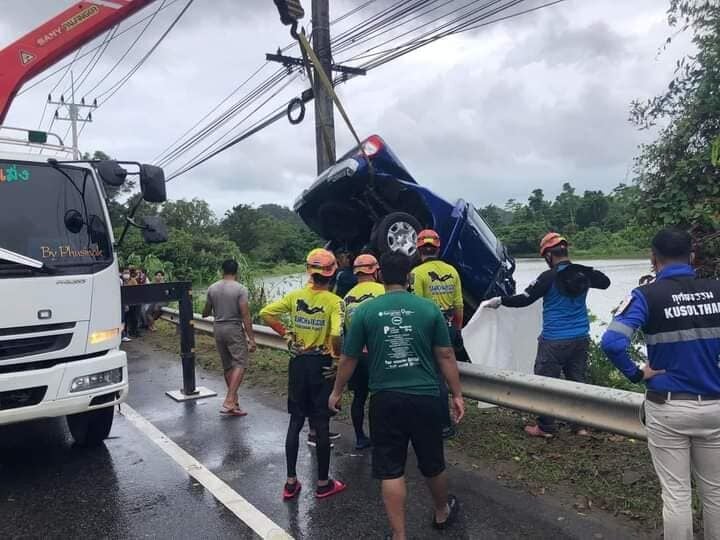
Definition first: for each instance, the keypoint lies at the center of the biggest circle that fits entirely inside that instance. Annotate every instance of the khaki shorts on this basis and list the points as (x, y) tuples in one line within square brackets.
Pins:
[(231, 345)]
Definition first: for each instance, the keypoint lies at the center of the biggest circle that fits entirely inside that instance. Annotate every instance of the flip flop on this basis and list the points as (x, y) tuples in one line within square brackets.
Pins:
[(232, 412)]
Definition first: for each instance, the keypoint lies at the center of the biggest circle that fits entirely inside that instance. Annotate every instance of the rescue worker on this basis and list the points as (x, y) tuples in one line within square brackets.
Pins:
[(315, 318), (679, 316), (439, 282), (565, 339), (365, 267), (345, 278)]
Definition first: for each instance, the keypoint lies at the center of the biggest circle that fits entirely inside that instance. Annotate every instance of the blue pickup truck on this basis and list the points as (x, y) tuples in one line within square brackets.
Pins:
[(375, 205)]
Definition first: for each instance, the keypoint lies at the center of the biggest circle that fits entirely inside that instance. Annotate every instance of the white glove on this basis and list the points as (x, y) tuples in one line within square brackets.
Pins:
[(493, 303)]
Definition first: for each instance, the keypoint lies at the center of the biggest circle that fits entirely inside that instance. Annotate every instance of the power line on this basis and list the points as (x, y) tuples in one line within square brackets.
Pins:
[(151, 19), (68, 64), (114, 89), (85, 72), (59, 81)]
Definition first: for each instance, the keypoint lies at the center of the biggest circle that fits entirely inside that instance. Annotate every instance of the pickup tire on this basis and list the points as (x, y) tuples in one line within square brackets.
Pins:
[(91, 428), (397, 232)]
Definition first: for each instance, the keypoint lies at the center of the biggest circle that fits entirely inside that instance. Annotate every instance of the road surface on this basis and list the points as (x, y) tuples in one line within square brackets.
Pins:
[(134, 488)]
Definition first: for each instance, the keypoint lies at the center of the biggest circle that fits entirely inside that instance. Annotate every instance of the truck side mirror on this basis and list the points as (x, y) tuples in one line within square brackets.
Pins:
[(154, 230), (152, 184), (111, 172)]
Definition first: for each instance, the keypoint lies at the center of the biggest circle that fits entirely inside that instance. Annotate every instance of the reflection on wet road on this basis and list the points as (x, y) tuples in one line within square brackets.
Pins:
[(131, 489)]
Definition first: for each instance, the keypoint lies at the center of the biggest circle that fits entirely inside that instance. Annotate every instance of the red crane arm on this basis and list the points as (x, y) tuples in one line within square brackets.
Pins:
[(58, 37)]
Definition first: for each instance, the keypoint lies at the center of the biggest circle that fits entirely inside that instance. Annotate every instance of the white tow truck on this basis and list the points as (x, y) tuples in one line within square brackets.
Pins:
[(60, 303)]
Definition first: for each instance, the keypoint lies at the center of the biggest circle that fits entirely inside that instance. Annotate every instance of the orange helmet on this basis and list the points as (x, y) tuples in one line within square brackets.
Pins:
[(365, 264), (321, 261), (551, 240), (428, 237)]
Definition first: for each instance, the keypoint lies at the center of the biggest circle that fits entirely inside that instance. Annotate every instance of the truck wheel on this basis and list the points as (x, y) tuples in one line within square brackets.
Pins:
[(397, 232), (91, 428)]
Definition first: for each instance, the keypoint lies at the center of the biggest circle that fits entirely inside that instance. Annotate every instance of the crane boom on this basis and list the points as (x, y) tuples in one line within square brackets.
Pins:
[(52, 41)]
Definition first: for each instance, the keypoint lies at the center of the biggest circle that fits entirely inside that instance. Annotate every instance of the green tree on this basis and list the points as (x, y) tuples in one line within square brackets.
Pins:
[(194, 215), (679, 182)]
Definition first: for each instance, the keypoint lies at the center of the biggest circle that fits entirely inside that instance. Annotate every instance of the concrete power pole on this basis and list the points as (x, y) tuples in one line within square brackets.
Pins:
[(324, 111), (73, 114)]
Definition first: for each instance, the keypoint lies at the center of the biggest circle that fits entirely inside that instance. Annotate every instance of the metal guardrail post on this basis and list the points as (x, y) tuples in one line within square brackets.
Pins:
[(187, 342)]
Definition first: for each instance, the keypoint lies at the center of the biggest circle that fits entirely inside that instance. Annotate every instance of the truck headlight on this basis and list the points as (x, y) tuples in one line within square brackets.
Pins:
[(96, 380), (103, 335)]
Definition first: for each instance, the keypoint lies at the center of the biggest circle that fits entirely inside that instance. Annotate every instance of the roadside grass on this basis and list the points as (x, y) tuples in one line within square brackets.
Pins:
[(605, 471)]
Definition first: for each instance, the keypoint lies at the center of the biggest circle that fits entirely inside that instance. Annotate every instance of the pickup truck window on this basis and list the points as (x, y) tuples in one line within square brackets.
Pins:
[(56, 219), (485, 231)]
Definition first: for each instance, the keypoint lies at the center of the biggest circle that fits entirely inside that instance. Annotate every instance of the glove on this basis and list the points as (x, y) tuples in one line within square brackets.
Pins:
[(493, 303), (329, 372)]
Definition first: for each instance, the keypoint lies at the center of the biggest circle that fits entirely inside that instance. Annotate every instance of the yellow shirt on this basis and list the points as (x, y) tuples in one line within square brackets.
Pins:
[(359, 294), (315, 317), (438, 281)]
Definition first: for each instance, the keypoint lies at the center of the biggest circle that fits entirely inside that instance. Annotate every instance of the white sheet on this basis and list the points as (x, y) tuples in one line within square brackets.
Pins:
[(504, 338)]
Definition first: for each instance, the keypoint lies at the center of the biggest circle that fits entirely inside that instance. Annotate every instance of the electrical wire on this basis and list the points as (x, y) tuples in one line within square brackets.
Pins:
[(68, 64), (58, 83), (151, 19), (115, 88), (85, 72)]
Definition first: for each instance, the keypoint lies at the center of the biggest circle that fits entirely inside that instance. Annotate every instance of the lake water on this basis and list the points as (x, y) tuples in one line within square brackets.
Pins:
[(623, 273)]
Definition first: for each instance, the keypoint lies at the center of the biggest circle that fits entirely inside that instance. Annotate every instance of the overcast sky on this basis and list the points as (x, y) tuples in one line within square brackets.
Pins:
[(490, 115)]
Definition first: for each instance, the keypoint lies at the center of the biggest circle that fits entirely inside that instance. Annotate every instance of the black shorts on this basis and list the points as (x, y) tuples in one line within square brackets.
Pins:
[(308, 390), (361, 376), (397, 419)]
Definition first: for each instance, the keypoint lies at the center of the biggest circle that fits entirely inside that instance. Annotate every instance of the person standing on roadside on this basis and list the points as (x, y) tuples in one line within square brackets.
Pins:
[(315, 317), (366, 269), (155, 310), (408, 347), (565, 340), (439, 282), (679, 316), (227, 300), (345, 278)]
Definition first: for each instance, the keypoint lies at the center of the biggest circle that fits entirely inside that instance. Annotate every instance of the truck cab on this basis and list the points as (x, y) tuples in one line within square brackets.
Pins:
[(60, 324), (369, 202)]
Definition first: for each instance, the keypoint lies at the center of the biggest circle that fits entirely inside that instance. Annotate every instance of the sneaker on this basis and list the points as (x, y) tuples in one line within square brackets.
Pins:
[(362, 442), (536, 431), (290, 491), (333, 487), (334, 436), (312, 441), (125, 339), (454, 507), (449, 432)]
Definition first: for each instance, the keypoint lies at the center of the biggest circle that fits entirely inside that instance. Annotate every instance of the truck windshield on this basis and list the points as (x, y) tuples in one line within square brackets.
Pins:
[(56, 219)]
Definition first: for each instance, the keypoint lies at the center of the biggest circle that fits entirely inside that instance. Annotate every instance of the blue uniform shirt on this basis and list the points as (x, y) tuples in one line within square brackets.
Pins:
[(690, 357)]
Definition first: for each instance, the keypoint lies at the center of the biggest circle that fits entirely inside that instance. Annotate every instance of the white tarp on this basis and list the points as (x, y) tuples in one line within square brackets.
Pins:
[(504, 338)]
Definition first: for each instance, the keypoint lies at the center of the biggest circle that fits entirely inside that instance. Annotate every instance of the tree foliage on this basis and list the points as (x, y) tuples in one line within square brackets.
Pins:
[(595, 223), (679, 182)]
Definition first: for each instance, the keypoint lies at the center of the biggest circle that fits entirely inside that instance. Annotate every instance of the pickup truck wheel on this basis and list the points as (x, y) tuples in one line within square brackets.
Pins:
[(397, 232), (91, 428)]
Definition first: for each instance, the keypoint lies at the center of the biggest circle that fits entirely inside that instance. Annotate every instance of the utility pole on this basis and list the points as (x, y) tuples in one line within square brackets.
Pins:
[(324, 108), (73, 114)]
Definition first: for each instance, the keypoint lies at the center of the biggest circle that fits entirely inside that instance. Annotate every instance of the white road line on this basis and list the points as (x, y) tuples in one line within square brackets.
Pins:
[(248, 514)]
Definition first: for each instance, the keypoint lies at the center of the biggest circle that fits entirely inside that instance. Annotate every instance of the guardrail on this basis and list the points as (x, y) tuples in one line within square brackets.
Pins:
[(603, 408)]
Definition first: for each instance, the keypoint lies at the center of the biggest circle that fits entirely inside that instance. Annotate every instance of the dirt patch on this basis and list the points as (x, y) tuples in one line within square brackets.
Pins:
[(602, 472)]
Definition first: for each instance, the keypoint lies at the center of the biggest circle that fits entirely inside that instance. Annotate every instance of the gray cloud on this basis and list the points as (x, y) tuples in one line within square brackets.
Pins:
[(532, 102)]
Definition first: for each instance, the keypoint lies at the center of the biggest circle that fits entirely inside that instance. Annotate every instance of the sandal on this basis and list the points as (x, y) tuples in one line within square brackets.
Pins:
[(232, 412)]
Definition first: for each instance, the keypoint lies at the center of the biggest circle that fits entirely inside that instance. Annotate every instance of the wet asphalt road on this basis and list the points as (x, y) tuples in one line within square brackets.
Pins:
[(131, 489)]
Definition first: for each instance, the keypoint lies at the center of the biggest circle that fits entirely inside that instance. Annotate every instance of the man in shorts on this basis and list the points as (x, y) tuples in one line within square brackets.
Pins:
[(408, 346), (315, 317), (228, 301)]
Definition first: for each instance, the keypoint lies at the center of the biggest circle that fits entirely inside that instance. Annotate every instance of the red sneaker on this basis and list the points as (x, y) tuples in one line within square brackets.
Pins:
[(535, 431), (290, 491), (336, 487)]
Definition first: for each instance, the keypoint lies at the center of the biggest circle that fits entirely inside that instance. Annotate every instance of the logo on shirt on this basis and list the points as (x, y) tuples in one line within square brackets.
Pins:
[(442, 279), (353, 300), (305, 308)]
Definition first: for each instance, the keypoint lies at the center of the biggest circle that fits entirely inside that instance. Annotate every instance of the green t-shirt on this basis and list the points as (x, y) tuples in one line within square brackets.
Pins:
[(399, 330)]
